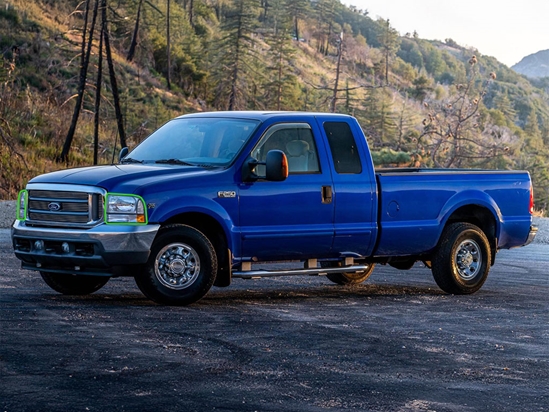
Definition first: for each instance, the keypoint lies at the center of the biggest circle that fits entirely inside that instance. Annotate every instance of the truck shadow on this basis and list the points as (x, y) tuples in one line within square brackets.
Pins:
[(258, 295), (316, 293)]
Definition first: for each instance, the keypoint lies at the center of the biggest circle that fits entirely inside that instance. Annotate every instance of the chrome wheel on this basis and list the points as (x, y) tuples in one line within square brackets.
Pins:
[(461, 260), (177, 266), (181, 268), (468, 258)]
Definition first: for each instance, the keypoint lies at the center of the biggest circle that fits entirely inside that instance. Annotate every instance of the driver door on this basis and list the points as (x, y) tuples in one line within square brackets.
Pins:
[(292, 218)]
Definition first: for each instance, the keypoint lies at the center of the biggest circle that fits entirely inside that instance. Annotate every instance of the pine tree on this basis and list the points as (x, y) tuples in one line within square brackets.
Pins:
[(236, 59), (297, 10), (390, 42), (325, 15), (380, 118), (280, 52)]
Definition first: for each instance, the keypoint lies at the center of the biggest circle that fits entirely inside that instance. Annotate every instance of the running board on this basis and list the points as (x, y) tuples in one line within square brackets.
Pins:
[(257, 274)]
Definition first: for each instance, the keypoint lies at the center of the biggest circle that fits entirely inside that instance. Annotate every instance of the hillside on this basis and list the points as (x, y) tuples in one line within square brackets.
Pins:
[(534, 65), (421, 103)]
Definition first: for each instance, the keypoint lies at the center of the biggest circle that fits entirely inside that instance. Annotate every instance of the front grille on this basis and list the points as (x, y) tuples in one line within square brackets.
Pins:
[(64, 208)]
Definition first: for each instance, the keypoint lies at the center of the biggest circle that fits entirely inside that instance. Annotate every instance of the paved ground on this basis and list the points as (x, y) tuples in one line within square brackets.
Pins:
[(395, 343)]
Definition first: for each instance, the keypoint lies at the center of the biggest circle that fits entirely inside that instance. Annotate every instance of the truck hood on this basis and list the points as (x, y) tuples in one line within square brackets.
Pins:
[(123, 178)]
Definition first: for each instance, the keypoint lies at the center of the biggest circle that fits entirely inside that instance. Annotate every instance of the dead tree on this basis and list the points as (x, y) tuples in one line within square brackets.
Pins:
[(133, 44), (112, 76), (334, 96), (168, 77), (98, 95), (85, 60)]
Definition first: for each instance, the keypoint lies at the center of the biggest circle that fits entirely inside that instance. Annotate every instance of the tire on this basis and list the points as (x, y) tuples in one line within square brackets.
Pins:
[(347, 278), (461, 262), (181, 269), (74, 284)]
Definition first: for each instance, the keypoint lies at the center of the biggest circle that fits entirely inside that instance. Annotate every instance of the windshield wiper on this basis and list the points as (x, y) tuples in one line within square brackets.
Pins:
[(130, 160), (207, 166), (173, 162)]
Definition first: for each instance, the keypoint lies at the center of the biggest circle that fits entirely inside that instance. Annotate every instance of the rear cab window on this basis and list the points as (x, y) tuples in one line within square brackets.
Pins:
[(343, 148)]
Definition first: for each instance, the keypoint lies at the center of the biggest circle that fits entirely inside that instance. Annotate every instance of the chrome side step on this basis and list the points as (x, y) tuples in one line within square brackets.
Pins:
[(257, 274)]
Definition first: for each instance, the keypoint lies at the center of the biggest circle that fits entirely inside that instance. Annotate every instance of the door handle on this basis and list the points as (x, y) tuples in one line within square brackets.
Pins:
[(326, 194)]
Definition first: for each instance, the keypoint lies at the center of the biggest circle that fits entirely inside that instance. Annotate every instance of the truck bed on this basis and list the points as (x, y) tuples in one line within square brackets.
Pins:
[(415, 204)]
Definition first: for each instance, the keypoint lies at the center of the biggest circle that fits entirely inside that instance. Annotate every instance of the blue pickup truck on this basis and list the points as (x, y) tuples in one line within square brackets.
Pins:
[(210, 197)]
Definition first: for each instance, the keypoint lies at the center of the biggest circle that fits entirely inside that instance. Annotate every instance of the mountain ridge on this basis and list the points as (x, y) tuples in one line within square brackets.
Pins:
[(535, 65)]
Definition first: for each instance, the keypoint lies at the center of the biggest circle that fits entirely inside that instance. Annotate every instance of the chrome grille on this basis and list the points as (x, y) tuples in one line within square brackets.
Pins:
[(65, 208)]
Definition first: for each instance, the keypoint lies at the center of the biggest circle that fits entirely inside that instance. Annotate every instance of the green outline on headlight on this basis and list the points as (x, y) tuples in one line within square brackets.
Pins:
[(18, 209), (105, 208)]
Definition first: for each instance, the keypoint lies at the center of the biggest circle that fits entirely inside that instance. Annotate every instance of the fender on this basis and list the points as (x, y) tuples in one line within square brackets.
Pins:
[(174, 206), (470, 198)]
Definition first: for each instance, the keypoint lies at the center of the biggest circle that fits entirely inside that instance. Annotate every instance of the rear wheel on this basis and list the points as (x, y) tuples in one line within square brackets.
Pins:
[(461, 262), (181, 269), (74, 284), (347, 278)]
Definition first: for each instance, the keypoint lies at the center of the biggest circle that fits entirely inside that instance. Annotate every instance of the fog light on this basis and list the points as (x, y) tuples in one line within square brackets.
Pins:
[(65, 247), (39, 245)]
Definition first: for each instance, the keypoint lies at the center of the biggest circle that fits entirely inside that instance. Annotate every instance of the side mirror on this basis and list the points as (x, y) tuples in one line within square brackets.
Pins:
[(276, 166), (122, 154)]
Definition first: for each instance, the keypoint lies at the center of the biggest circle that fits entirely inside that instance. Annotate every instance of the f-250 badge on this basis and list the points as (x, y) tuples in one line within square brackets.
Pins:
[(226, 193)]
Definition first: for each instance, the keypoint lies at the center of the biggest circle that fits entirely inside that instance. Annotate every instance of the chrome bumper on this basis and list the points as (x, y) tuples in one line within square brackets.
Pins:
[(92, 251), (531, 235)]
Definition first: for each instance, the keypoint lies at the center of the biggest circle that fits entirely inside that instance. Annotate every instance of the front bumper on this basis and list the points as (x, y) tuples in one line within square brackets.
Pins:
[(95, 251)]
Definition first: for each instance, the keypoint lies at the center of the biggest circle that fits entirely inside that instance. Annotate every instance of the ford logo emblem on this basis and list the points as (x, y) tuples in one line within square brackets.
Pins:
[(54, 206)]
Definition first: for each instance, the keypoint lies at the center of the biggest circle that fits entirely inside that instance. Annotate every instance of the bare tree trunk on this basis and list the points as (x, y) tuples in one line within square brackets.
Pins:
[(81, 87), (168, 78), (191, 12), (336, 85), (133, 44), (98, 96), (387, 52), (279, 86), (236, 70), (84, 31), (114, 85)]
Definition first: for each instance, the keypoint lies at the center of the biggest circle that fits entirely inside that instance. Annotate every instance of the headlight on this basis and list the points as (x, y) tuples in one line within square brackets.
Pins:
[(22, 205), (125, 209)]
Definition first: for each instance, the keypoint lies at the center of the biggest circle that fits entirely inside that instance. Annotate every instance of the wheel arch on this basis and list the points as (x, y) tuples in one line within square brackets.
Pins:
[(215, 232), (481, 216)]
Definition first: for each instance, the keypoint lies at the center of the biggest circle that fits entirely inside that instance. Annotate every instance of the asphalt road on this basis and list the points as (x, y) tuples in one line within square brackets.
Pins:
[(395, 343)]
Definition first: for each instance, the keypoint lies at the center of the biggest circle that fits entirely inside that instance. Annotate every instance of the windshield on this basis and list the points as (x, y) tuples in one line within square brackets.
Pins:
[(194, 141)]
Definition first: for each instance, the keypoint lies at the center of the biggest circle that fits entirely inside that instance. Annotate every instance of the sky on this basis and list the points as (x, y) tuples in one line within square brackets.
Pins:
[(507, 31)]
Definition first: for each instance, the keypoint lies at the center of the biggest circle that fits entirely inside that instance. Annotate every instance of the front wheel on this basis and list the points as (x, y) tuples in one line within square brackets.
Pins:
[(461, 262), (181, 269), (74, 284), (347, 278)]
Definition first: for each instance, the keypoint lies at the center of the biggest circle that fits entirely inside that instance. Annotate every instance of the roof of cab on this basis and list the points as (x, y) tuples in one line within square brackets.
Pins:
[(260, 115)]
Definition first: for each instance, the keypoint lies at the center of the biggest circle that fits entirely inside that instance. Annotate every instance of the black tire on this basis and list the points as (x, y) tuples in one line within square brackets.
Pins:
[(347, 278), (461, 262), (74, 284), (181, 269)]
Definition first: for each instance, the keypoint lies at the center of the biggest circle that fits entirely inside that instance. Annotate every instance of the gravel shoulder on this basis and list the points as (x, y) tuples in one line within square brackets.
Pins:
[(7, 213)]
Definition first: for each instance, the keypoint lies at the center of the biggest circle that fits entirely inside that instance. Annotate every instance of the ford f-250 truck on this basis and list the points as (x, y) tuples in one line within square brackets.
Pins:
[(208, 197)]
